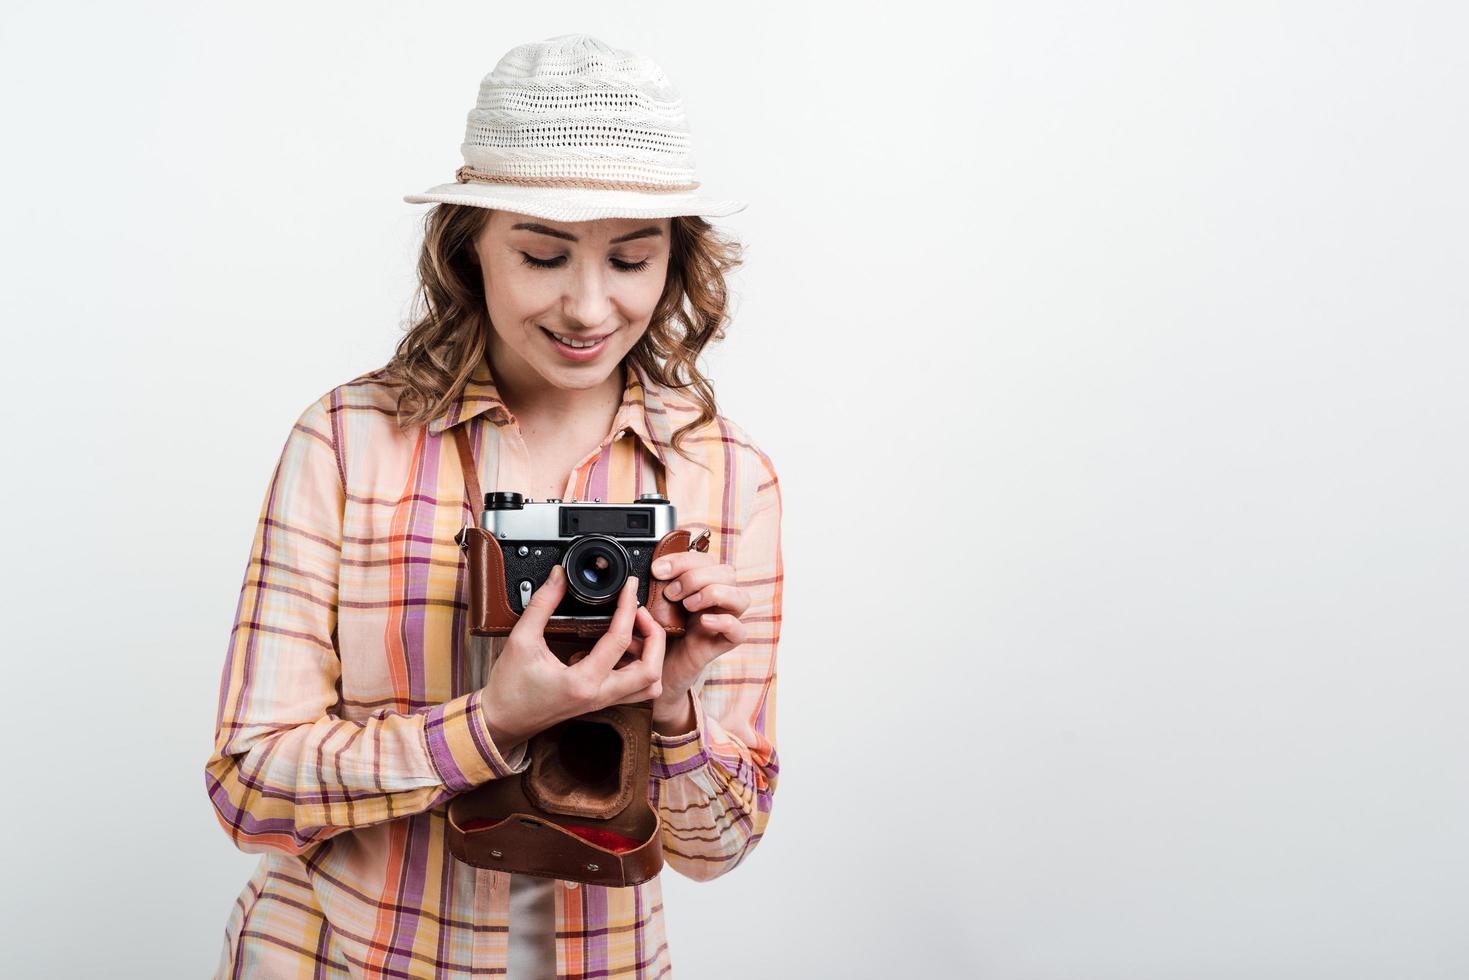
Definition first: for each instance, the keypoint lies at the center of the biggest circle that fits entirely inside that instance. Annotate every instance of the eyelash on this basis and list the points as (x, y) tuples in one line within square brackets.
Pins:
[(555, 263)]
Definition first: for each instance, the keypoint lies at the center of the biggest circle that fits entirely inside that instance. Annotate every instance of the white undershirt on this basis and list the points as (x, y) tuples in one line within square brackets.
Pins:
[(532, 954)]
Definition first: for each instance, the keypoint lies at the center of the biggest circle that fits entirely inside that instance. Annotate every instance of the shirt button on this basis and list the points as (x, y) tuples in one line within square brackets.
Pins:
[(571, 884)]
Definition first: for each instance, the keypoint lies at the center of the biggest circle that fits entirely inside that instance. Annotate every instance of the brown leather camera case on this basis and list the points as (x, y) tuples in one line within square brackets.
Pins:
[(590, 772)]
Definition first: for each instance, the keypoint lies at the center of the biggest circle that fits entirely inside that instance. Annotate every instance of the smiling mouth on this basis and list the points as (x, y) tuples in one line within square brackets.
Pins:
[(577, 343)]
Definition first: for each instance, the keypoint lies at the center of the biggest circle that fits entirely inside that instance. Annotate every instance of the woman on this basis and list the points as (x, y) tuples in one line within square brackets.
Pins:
[(568, 283)]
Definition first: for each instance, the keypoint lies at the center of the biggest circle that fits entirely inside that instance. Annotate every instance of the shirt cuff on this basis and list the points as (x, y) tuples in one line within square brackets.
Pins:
[(515, 758), (460, 747), (675, 754)]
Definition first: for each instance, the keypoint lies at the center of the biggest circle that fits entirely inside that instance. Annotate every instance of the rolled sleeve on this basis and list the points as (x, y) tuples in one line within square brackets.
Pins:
[(676, 754), (460, 746), (715, 784)]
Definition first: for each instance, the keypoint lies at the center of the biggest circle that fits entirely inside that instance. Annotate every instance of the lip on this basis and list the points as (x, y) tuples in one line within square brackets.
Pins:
[(574, 353)]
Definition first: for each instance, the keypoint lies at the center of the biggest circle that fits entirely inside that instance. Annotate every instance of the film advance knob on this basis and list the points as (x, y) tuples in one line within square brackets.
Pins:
[(503, 500)]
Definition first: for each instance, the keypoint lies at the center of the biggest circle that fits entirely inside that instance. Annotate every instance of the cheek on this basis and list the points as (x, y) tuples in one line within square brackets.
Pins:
[(644, 295), (514, 293)]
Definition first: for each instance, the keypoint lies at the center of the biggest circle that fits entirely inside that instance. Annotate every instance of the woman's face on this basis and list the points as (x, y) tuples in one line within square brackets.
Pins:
[(585, 280)]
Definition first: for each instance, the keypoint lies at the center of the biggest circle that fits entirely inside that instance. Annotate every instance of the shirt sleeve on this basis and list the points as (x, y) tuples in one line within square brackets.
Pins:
[(714, 784), (287, 772)]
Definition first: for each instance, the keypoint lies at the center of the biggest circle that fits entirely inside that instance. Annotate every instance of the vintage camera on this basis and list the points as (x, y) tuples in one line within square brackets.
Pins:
[(598, 544), (581, 810)]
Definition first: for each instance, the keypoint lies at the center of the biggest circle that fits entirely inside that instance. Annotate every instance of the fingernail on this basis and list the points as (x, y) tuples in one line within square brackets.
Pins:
[(632, 584), (556, 572), (660, 567), (672, 590)]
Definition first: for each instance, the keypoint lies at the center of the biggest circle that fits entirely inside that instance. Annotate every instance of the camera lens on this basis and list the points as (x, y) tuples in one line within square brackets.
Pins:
[(596, 568)]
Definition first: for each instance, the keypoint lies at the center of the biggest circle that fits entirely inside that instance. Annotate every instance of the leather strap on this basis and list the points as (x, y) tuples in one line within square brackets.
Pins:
[(471, 473)]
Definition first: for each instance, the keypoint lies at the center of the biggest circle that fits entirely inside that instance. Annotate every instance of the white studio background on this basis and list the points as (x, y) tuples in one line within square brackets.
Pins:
[(1112, 359)]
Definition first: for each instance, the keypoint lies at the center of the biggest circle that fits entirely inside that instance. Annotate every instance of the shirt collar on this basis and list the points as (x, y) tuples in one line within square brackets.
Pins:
[(642, 409)]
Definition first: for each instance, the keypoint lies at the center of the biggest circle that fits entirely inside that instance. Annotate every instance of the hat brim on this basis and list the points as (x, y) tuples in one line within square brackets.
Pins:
[(577, 203)]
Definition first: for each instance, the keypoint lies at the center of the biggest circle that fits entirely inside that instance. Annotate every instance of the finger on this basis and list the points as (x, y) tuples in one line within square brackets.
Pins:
[(730, 627), (606, 651), (654, 641), (543, 602), (719, 598), (628, 681), (646, 694), (643, 694), (634, 650), (631, 655), (694, 579), (677, 562)]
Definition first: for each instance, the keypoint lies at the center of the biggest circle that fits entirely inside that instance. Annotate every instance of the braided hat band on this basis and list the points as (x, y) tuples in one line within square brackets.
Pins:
[(573, 129), (464, 174)]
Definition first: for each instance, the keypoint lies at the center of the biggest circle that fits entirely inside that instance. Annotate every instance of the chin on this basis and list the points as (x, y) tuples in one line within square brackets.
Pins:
[(587, 375)]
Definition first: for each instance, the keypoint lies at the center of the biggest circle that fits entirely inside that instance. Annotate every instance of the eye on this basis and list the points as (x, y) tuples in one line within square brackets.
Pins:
[(560, 260)]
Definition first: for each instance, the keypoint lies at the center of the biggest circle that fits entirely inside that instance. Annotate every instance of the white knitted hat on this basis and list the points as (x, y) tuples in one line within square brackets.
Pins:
[(572, 129)]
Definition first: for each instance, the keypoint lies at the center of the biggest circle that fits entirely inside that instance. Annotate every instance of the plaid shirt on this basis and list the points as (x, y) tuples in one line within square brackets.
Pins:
[(349, 708)]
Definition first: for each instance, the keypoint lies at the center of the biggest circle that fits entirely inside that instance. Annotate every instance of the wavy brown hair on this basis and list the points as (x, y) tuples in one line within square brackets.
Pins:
[(449, 322)]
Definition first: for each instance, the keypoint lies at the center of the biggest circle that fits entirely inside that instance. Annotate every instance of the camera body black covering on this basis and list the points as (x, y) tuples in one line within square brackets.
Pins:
[(598, 544)]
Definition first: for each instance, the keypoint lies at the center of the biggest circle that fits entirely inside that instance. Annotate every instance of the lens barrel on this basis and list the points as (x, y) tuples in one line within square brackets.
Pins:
[(597, 567)]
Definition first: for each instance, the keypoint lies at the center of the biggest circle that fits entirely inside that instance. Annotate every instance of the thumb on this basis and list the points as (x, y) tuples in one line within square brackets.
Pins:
[(543, 601)]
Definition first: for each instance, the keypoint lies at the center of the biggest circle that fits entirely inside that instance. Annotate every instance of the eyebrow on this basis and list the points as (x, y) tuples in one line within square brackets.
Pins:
[(652, 231)]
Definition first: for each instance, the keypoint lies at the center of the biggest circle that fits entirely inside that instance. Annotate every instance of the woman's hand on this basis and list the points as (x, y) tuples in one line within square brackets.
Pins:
[(712, 626), (714, 605), (530, 688)]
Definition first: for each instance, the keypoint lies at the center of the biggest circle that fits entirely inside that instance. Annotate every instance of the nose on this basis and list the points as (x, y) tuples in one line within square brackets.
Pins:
[(587, 298)]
